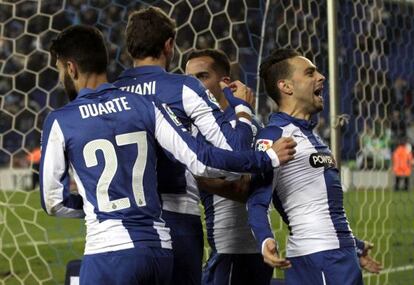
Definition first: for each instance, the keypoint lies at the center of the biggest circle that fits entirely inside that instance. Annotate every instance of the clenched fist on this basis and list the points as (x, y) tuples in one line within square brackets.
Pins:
[(285, 149)]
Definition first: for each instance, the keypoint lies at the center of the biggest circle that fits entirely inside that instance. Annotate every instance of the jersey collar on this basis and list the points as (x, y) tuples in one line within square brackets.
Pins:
[(104, 86), (133, 72), (276, 118)]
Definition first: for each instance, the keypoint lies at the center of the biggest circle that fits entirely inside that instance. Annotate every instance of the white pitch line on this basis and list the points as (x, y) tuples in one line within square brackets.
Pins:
[(41, 243), (392, 270)]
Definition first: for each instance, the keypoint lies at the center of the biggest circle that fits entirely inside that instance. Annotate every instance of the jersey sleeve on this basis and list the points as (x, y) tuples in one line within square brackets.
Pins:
[(201, 158), (261, 190), (56, 198), (200, 105), (359, 246)]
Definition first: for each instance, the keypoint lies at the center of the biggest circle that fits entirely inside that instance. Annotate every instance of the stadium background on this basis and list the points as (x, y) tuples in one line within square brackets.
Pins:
[(375, 39)]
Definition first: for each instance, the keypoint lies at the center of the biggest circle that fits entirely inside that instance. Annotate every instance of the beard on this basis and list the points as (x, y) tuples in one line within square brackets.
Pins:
[(69, 87)]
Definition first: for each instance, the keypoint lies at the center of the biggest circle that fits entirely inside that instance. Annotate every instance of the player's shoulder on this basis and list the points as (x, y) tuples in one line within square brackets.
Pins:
[(270, 132), (194, 84), (280, 124), (132, 97), (266, 136), (185, 80)]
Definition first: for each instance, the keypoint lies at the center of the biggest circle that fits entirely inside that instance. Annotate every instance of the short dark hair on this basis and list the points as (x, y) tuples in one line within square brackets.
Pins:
[(221, 62), (84, 45), (274, 68), (147, 31)]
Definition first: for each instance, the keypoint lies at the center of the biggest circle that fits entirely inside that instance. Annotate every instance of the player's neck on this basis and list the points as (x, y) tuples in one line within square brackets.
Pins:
[(150, 61), (295, 112), (91, 81)]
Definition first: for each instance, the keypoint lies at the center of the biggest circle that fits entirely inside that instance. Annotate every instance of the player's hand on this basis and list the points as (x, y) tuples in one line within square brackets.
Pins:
[(285, 149), (271, 255), (367, 262), (240, 91), (242, 185)]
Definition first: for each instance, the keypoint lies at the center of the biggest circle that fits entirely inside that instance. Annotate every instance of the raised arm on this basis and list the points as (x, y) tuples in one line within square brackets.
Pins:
[(199, 104), (201, 158)]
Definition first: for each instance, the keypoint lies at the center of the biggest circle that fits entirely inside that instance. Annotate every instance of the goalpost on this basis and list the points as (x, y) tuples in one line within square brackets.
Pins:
[(374, 40)]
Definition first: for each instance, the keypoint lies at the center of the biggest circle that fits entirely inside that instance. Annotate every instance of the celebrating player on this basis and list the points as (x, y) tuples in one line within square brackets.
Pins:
[(109, 139), (306, 191), (228, 233), (150, 36)]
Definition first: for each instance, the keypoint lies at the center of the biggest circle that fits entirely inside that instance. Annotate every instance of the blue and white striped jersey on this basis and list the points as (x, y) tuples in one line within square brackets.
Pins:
[(109, 138), (306, 191), (195, 107), (228, 231)]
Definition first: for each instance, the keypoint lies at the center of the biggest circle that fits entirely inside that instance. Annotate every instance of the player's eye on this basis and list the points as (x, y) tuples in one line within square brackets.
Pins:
[(202, 76)]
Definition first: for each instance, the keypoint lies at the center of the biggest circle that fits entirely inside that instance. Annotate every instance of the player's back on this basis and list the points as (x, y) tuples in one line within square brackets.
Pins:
[(182, 94), (109, 139)]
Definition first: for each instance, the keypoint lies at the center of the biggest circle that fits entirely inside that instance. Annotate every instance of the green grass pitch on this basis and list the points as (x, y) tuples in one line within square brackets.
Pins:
[(35, 248)]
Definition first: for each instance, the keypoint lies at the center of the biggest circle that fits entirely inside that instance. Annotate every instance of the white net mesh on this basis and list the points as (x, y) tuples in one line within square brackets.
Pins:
[(375, 39)]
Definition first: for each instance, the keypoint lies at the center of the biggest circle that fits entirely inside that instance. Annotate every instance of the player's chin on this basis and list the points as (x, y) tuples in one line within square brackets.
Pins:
[(318, 107)]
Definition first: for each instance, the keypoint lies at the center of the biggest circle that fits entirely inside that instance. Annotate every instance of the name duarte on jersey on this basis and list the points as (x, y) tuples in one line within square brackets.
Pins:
[(320, 159), (96, 109)]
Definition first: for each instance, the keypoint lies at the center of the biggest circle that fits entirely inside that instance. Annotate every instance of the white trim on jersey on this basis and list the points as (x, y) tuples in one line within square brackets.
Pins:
[(54, 168), (171, 141), (88, 208), (198, 110), (164, 233)]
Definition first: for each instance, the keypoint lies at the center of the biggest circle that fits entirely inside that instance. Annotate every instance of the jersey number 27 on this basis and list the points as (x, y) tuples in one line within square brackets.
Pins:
[(111, 165)]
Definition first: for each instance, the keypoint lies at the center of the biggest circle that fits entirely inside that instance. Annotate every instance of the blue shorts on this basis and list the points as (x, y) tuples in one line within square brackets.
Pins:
[(187, 242), (236, 269), (330, 267), (138, 266)]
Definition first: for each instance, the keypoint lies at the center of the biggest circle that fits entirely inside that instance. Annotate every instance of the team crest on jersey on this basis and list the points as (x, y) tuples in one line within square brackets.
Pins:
[(173, 116), (212, 99), (263, 145)]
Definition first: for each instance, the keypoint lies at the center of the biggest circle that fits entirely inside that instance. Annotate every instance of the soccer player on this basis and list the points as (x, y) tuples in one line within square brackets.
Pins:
[(307, 191), (109, 139), (150, 37), (234, 258)]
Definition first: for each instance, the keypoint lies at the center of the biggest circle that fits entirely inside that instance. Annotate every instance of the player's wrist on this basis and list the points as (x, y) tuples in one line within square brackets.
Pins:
[(273, 157), (264, 243), (239, 105), (243, 108), (359, 247)]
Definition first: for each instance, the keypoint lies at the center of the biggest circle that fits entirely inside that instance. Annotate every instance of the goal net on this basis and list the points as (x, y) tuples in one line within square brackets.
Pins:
[(375, 38)]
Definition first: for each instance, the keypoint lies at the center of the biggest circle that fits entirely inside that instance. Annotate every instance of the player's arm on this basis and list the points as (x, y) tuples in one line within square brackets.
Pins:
[(240, 98), (236, 190), (259, 201), (257, 208), (56, 198), (203, 159), (365, 260), (198, 104)]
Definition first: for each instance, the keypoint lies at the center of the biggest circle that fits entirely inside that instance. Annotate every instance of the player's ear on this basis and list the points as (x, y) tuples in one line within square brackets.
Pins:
[(72, 69), (226, 79), (285, 86), (169, 46)]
